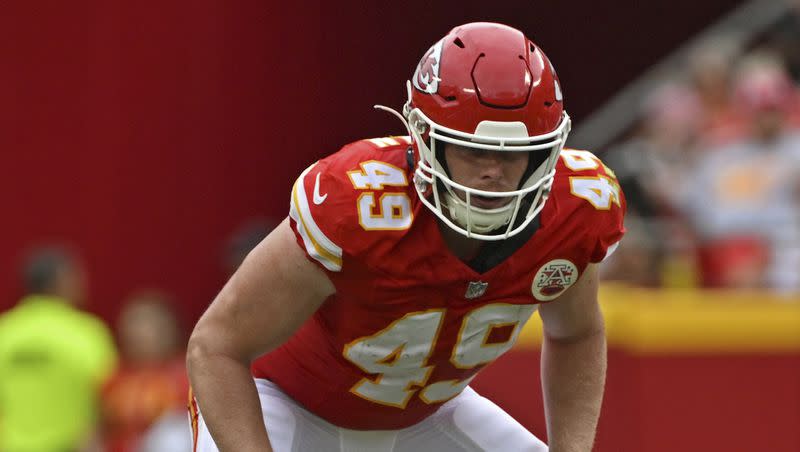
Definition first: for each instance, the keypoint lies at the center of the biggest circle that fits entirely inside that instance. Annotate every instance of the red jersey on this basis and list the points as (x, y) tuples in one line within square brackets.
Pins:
[(410, 325)]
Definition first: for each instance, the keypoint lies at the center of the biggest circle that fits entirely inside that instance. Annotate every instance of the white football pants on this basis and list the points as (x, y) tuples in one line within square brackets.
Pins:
[(468, 422)]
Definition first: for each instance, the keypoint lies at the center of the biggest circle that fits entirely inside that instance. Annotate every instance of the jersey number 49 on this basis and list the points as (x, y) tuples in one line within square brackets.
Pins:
[(399, 353)]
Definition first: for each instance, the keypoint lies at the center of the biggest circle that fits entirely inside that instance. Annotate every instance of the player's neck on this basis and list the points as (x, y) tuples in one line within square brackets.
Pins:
[(462, 247)]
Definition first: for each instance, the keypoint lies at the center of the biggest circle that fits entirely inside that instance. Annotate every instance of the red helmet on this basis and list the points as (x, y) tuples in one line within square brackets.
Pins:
[(486, 86)]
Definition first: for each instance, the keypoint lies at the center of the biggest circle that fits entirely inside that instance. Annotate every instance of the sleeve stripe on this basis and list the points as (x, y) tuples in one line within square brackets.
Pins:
[(305, 211), (318, 246), (611, 250), (330, 262), (194, 414)]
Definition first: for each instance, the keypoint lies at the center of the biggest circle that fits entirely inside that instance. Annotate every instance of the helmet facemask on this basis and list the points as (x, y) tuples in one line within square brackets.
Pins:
[(438, 191)]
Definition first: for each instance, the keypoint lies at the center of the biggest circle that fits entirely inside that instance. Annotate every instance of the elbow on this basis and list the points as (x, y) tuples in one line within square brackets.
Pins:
[(595, 331), (196, 352), (205, 343), (209, 344)]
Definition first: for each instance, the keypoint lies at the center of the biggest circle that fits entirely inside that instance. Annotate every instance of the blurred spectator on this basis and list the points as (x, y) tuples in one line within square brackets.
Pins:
[(151, 381), (53, 359), (710, 75), (744, 197), (764, 85), (712, 177), (651, 168)]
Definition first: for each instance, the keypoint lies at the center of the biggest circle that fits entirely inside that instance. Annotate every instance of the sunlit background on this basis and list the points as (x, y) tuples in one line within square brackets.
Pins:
[(146, 146)]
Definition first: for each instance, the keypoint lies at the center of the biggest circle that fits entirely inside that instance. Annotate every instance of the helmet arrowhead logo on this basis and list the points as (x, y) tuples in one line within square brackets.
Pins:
[(426, 76)]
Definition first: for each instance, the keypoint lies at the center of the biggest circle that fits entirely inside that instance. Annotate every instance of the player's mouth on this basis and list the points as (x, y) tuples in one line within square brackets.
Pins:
[(486, 202)]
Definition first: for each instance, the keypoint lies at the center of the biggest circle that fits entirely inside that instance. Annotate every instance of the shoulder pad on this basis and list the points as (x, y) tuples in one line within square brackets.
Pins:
[(346, 202), (587, 193)]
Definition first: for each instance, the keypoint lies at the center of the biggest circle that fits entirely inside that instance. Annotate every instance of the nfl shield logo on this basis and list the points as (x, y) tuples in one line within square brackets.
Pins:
[(476, 289)]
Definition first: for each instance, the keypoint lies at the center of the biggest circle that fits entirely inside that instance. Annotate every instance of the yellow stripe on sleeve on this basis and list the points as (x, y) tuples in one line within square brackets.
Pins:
[(318, 246)]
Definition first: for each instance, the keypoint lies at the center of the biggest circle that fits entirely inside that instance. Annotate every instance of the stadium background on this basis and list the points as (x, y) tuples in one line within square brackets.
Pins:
[(145, 133)]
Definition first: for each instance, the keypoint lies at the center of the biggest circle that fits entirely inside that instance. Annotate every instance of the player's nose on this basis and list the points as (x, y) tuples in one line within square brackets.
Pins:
[(491, 167)]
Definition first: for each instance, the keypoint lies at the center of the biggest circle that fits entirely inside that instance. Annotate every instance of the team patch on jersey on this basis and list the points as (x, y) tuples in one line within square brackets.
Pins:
[(553, 279)]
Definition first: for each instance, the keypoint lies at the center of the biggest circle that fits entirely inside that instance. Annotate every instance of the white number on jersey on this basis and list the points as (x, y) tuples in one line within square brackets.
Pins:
[(392, 211), (600, 191), (399, 352), (375, 175), (579, 160), (473, 347)]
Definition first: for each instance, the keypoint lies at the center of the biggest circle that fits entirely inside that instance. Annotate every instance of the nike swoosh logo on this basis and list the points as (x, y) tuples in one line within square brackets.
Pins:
[(317, 198)]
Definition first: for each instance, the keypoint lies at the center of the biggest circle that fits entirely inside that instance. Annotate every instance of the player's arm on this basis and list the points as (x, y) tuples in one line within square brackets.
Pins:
[(573, 365), (273, 292)]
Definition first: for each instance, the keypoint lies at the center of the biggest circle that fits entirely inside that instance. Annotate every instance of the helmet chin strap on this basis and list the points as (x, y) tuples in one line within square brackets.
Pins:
[(470, 217), (477, 219)]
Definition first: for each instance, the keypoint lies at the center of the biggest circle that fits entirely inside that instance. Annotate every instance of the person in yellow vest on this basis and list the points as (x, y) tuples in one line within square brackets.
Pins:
[(53, 360)]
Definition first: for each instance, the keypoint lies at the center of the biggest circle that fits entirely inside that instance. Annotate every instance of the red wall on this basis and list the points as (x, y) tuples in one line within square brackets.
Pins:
[(144, 135), (674, 402), (145, 132)]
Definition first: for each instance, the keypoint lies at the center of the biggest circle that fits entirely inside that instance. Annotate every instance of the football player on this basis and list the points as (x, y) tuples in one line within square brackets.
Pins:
[(409, 263)]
